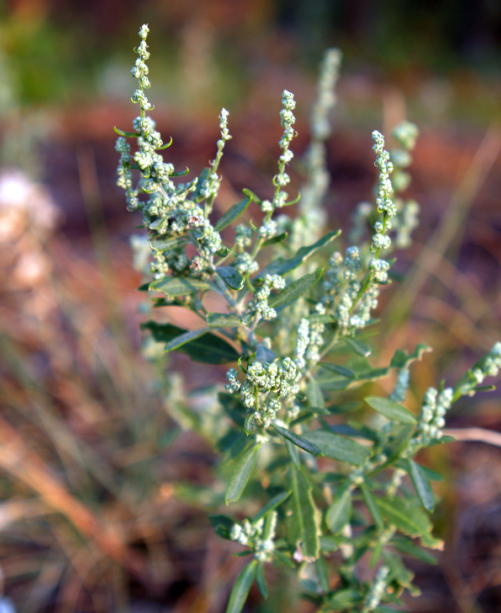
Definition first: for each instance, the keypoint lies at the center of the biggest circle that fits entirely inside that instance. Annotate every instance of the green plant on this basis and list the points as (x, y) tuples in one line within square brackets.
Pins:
[(295, 329)]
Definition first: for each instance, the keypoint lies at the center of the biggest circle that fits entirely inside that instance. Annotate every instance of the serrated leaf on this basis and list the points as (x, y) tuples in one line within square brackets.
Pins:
[(303, 522), (281, 266), (421, 484), (402, 360), (296, 289), (223, 320), (261, 580), (314, 395), (370, 503), (299, 441), (178, 286), (241, 474), (271, 505), (232, 213), (391, 410), (208, 349), (406, 517), (338, 447), (230, 276), (242, 587), (358, 347), (222, 525), (339, 512)]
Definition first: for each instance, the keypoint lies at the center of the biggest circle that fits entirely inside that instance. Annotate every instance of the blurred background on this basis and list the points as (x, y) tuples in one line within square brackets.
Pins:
[(103, 491)]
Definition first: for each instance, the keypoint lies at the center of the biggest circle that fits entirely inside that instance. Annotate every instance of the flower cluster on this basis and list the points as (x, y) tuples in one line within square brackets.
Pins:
[(489, 366), (260, 302), (254, 536), (273, 379), (431, 420), (377, 590), (288, 120)]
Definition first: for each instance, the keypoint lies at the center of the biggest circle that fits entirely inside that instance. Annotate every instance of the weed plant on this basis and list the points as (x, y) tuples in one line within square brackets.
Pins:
[(314, 482)]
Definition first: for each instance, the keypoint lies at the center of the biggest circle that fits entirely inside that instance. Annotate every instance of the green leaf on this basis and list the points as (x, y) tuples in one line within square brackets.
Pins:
[(223, 320), (251, 195), (296, 289), (314, 394), (204, 175), (168, 244), (183, 339), (230, 276), (232, 213), (399, 573), (338, 447), (370, 503), (339, 370), (408, 548), (222, 525), (284, 559), (322, 574), (281, 266), (293, 453), (401, 360), (241, 474), (233, 407), (261, 580), (303, 517), (421, 484), (339, 513), (358, 347), (406, 517), (271, 505), (275, 239), (391, 410), (344, 599), (242, 588), (125, 134), (178, 286), (208, 349), (321, 319), (299, 441)]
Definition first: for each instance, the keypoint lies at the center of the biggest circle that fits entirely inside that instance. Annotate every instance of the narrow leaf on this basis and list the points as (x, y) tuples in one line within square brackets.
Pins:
[(299, 441), (339, 370), (339, 513), (358, 347), (275, 239), (314, 394), (296, 289), (338, 447), (222, 320), (233, 407), (370, 503), (230, 276), (272, 504), (222, 525), (208, 349), (232, 213), (323, 577), (408, 548), (261, 580), (241, 475), (182, 339), (303, 522), (421, 485), (242, 587), (293, 453), (391, 410), (168, 244), (281, 266), (178, 286), (407, 518)]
